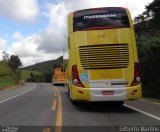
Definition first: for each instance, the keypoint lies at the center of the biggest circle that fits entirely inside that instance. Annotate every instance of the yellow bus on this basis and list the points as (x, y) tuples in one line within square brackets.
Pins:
[(59, 76), (103, 63)]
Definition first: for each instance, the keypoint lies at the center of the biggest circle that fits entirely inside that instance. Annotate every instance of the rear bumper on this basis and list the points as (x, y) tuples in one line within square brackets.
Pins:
[(95, 94)]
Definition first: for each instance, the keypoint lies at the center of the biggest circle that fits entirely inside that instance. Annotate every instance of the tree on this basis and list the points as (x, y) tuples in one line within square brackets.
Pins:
[(153, 10), (32, 77), (15, 62), (147, 27), (5, 55), (47, 75), (149, 20)]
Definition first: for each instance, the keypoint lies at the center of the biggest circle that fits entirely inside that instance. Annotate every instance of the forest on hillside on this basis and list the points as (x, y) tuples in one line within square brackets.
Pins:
[(147, 28), (41, 72)]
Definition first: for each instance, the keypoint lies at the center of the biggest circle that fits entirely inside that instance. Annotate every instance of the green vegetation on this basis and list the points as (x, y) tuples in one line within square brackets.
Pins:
[(9, 70), (6, 75), (147, 28), (43, 66), (26, 74), (41, 72)]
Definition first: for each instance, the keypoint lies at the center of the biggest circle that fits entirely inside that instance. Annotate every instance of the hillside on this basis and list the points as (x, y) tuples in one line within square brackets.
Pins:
[(7, 76), (41, 72), (45, 65), (25, 74)]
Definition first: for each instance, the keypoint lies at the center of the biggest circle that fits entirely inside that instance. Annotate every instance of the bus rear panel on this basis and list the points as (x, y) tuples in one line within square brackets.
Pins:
[(59, 76), (103, 63)]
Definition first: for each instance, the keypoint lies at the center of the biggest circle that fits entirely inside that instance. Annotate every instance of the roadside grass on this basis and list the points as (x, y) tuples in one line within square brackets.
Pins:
[(6, 75), (5, 83)]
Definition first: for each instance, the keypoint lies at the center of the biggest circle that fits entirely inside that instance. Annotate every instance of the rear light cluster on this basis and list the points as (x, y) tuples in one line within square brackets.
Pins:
[(75, 77), (136, 79)]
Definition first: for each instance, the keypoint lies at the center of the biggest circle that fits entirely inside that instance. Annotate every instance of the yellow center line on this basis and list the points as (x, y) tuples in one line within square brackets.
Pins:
[(46, 130), (59, 113), (55, 94), (54, 104)]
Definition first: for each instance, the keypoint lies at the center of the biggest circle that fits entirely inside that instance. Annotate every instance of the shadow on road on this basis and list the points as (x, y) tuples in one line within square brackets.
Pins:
[(105, 107), (61, 84), (97, 107)]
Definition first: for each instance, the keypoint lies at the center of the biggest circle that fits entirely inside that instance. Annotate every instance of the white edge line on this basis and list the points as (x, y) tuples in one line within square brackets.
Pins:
[(150, 101), (145, 113), (18, 94)]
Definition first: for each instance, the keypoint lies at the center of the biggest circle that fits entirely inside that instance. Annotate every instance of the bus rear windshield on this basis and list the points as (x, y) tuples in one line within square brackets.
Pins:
[(100, 18)]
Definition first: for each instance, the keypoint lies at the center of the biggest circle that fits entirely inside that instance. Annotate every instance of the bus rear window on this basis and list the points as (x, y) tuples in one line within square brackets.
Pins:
[(100, 18)]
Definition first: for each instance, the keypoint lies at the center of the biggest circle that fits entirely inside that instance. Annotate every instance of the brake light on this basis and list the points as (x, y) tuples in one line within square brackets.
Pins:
[(136, 79), (75, 77)]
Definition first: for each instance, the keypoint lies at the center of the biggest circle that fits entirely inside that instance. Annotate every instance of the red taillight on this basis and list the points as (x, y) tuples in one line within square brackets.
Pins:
[(75, 77), (136, 79)]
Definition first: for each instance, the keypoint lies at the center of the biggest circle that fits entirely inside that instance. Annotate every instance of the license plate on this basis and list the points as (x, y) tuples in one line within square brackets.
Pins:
[(107, 92)]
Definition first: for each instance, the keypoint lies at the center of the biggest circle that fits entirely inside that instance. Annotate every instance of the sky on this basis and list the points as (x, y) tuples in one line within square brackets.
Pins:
[(36, 30)]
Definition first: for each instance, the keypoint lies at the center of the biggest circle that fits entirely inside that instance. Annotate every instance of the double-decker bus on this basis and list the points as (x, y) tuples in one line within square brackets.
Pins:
[(103, 63)]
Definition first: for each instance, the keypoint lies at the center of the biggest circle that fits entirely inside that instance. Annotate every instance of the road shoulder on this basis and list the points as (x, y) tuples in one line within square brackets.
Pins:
[(12, 92), (145, 106)]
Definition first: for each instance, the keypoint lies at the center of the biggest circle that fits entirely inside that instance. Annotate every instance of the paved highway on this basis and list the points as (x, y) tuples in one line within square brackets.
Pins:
[(40, 107)]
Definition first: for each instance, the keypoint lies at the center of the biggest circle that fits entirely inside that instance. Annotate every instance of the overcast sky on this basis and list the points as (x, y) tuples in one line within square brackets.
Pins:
[(36, 30)]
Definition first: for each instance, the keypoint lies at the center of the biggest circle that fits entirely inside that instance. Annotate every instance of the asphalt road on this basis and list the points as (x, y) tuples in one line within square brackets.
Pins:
[(40, 107)]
